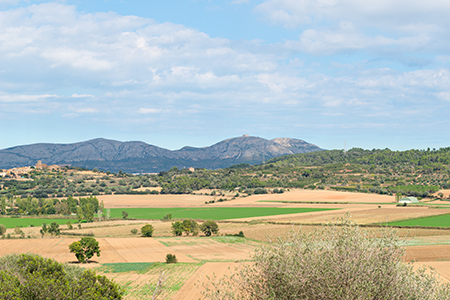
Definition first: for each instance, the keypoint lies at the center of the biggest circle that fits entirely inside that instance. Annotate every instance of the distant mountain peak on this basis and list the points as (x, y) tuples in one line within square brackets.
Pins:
[(136, 156)]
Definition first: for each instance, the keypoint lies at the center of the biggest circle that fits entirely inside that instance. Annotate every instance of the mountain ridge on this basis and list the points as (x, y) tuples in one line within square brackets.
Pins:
[(138, 156)]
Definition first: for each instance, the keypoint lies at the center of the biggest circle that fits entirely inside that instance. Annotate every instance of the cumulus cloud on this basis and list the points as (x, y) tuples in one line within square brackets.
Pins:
[(149, 110), (119, 71), (329, 26)]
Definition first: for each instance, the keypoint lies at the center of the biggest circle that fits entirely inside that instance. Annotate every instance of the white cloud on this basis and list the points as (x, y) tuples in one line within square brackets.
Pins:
[(149, 110), (89, 110), (15, 98), (330, 26), (82, 96), (123, 70)]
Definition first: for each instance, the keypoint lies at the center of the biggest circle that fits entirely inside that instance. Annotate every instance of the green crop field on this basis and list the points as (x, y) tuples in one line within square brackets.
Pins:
[(436, 221), (26, 222), (210, 213)]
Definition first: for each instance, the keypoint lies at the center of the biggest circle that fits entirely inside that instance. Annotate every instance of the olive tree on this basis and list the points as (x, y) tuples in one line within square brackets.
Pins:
[(337, 261)]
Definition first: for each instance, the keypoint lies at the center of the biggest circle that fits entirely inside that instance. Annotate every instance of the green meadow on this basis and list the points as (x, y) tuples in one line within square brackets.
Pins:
[(26, 222), (209, 213), (435, 221)]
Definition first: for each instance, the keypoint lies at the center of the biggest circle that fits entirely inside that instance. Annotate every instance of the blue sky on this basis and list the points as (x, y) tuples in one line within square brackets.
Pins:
[(375, 74)]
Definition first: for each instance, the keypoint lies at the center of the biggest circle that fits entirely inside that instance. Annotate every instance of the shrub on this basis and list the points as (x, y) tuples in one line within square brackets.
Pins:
[(337, 261), (167, 217), (134, 231), (147, 230), (124, 214), (30, 276), (209, 227), (2, 229), (85, 249), (69, 225), (171, 259), (17, 230)]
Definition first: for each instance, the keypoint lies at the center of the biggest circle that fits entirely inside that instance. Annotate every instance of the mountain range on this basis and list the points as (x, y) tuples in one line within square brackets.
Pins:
[(139, 157)]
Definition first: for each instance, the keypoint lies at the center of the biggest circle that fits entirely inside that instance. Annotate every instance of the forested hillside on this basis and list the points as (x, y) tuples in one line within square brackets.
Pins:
[(414, 173)]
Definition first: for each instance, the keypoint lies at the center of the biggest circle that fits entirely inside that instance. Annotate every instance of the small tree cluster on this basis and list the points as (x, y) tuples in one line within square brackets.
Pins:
[(186, 226)]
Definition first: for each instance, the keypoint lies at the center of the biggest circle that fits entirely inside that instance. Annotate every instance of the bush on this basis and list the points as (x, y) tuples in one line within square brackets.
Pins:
[(209, 227), (124, 214), (171, 259), (337, 261), (2, 229), (134, 231), (30, 276), (147, 230), (17, 230), (167, 217)]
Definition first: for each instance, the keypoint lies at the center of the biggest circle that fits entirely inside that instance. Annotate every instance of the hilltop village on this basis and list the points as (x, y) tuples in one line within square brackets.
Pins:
[(22, 173)]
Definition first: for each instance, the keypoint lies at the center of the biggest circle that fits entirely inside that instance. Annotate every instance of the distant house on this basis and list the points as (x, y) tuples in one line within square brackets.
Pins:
[(408, 200)]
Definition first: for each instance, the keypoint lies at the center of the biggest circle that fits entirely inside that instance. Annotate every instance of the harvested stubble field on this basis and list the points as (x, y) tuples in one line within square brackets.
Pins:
[(363, 214), (141, 283), (123, 250)]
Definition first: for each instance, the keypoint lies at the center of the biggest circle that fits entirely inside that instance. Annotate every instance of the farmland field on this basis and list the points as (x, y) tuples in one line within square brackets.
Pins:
[(26, 222), (210, 213), (436, 221), (135, 262)]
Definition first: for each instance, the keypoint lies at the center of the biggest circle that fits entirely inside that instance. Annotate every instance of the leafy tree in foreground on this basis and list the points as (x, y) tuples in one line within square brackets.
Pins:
[(30, 276), (209, 227), (85, 249), (338, 261), (147, 230)]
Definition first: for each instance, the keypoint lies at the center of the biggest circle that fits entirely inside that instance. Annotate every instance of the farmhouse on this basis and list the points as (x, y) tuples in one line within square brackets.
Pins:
[(408, 200)]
